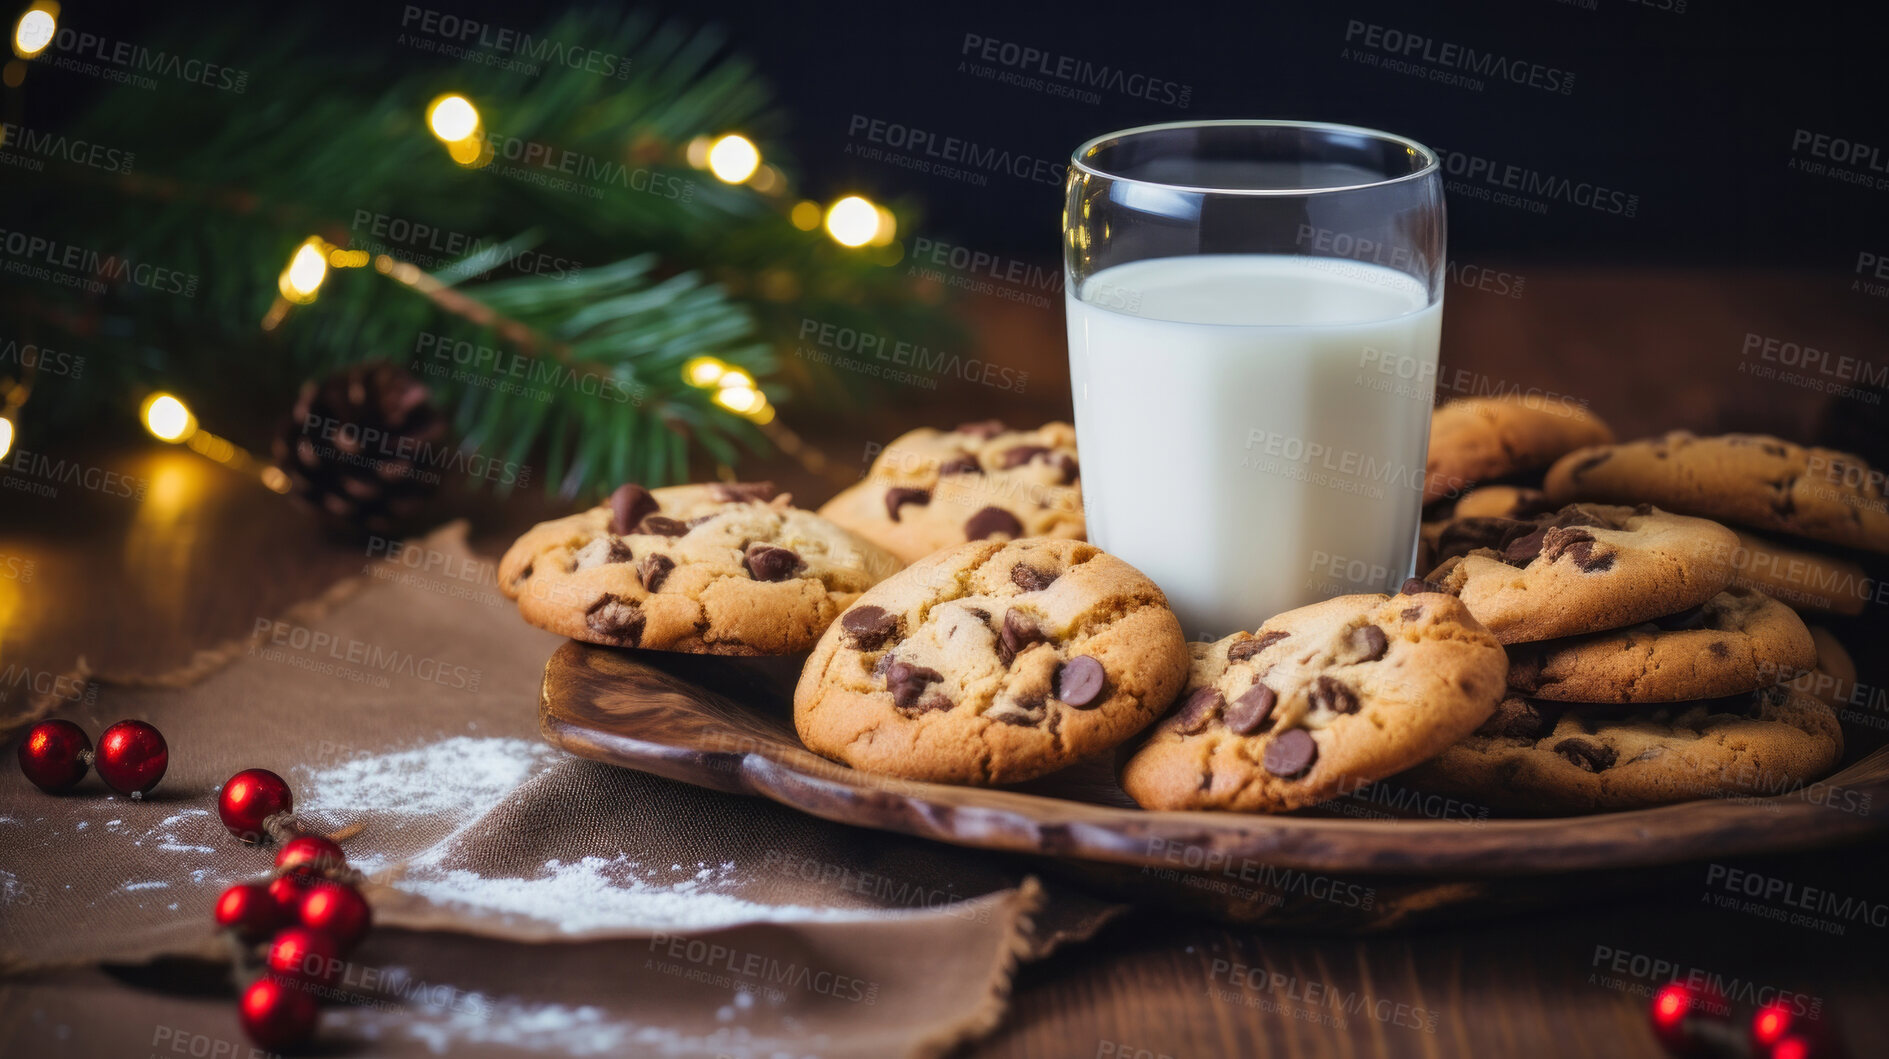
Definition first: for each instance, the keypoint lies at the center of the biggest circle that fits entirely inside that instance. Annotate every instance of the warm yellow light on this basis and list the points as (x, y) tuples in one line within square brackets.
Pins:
[(6, 436), (703, 372), (274, 480), (34, 31), (852, 221), (299, 282), (805, 215), (735, 377), (739, 399), (697, 152), (733, 159), (167, 419), (453, 118), (767, 179), (763, 414), (471, 152), (888, 227), (339, 258)]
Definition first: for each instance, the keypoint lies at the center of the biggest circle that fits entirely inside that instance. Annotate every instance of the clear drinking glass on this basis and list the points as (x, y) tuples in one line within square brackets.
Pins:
[(1254, 309)]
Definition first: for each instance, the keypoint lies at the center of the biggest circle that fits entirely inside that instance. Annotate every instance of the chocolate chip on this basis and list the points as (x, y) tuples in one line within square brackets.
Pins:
[(1592, 757), (1030, 579), (765, 562), (1575, 515), (663, 526), (960, 465), (1556, 541), (655, 570), (1414, 585), (885, 662), (1411, 613), (1019, 632), (983, 428), (1524, 669), (1684, 620), (617, 618), (1371, 641), (1333, 695), (1079, 682), (1241, 650), (740, 492), (1589, 562), (936, 702), (1252, 709), (1466, 535), (868, 628), (1197, 709), (1070, 468), (1515, 718), (1290, 754), (1021, 454), (1523, 550), (628, 505), (907, 682), (898, 496), (991, 521), (1719, 649)]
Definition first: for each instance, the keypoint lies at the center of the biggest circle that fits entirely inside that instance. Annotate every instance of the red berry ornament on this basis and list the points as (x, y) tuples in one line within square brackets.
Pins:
[(55, 755), (276, 1014), (132, 757), (337, 910), (251, 797), (250, 910), (309, 854), (299, 954), (287, 892)]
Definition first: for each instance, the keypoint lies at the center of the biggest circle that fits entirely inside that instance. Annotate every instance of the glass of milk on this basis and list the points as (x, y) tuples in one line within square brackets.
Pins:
[(1254, 309)]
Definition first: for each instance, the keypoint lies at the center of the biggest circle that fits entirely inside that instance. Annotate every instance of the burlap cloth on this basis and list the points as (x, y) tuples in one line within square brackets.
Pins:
[(525, 900)]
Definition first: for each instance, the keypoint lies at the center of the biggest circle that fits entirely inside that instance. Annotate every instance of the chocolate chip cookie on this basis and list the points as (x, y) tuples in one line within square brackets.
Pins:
[(1542, 757), (933, 489), (1320, 702), (1751, 479), (1582, 569), (1478, 438), (707, 569), (992, 663), (1737, 641)]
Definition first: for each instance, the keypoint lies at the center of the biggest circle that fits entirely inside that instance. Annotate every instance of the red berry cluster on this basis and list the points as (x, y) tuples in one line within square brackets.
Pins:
[(292, 931), (131, 757), (1695, 1023)]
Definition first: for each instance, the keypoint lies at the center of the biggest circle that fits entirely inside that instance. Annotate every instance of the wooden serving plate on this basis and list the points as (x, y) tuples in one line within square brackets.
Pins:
[(727, 724)]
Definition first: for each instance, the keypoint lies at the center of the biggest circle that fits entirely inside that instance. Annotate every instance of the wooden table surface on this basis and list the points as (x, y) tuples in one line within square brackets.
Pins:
[(137, 585)]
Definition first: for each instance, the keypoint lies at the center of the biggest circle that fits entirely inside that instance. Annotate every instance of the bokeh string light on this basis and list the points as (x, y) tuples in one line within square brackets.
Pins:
[(170, 420), (35, 30)]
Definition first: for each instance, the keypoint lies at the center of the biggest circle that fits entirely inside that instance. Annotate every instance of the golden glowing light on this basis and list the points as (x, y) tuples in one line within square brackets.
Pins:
[(703, 372), (852, 221), (453, 118), (339, 258), (740, 399), (299, 282), (768, 179), (805, 215), (472, 152), (888, 227), (6, 437), (274, 480), (735, 377), (733, 159), (697, 152), (167, 419), (35, 30)]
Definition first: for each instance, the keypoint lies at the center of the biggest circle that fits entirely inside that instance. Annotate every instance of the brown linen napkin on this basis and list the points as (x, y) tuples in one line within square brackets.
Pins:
[(685, 921)]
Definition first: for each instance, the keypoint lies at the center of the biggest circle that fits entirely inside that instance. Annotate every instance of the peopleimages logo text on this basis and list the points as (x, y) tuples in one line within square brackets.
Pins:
[(958, 151), (1451, 56)]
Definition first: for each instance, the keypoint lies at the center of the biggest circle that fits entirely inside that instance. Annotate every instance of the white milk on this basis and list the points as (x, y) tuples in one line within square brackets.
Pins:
[(1253, 427)]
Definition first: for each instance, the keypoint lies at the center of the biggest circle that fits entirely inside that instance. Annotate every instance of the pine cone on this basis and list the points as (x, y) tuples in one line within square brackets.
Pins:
[(365, 447)]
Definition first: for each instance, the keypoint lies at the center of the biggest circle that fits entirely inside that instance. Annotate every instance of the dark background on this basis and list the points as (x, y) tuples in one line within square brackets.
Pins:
[(1692, 110)]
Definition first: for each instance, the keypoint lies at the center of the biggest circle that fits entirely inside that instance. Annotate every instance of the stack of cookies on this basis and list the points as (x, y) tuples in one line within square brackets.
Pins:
[(1655, 655), (1588, 633)]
